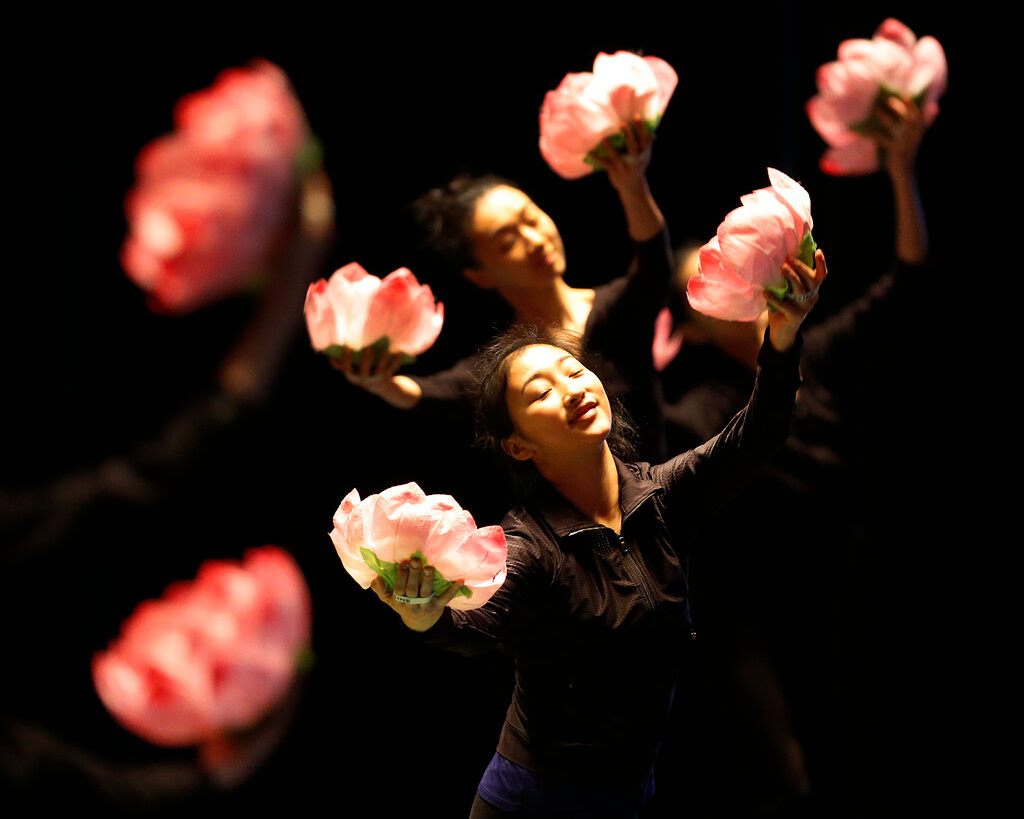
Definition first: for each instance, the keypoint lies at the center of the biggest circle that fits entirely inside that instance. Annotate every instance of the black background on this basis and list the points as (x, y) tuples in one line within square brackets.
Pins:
[(400, 100)]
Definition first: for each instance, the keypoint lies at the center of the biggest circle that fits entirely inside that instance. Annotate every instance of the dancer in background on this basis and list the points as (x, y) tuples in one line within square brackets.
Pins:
[(493, 234), (767, 607)]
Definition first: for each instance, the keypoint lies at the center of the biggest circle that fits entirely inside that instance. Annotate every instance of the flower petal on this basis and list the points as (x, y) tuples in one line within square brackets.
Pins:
[(402, 521)]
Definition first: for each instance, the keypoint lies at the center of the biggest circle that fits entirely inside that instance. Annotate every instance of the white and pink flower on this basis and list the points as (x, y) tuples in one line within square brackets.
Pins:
[(893, 62), (211, 656), (212, 199), (588, 107), (373, 535), (746, 254), (356, 310)]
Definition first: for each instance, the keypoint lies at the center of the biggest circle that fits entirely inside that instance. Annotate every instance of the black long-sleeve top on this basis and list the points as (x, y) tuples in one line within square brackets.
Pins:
[(597, 620)]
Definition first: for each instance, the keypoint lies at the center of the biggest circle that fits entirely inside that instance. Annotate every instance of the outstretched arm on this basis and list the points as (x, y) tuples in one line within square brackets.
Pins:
[(628, 175)]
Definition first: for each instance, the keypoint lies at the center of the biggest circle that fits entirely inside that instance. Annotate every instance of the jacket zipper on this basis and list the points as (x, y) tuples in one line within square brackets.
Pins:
[(632, 565), (636, 570)]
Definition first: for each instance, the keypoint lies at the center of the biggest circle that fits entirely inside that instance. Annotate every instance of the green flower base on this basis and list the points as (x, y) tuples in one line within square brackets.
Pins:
[(389, 571), (378, 349), (618, 142), (805, 254)]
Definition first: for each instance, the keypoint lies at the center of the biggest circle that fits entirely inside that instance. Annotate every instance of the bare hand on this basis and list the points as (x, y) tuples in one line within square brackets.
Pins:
[(785, 320), (904, 128), (627, 171), (416, 581), (368, 373), (628, 175)]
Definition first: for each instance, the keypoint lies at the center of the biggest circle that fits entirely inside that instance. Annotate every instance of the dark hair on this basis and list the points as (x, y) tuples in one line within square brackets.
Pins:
[(443, 215), (494, 423)]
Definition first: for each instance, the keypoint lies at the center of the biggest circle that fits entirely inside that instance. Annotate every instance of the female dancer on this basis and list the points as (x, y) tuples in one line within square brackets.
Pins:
[(500, 240), (595, 607), (777, 695)]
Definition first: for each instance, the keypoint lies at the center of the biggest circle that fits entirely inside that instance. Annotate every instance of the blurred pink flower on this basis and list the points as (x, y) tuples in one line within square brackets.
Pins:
[(373, 535), (355, 310), (212, 655), (892, 62), (587, 107), (211, 200), (746, 254), (667, 343)]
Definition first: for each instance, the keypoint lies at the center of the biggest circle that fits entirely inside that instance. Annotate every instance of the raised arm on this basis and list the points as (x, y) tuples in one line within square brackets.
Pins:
[(628, 175), (715, 471), (904, 129)]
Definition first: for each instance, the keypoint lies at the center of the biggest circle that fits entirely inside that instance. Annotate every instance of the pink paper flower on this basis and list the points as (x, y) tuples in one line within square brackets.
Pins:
[(211, 199), (893, 62), (587, 107), (746, 254), (373, 535), (356, 310), (212, 655)]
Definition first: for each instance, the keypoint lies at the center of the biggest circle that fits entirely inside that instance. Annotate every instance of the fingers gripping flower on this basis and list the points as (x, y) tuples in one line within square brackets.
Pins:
[(374, 535), (745, 256), (589, 107), (893, 62), (211, 200), (212, 655), (356, 310)]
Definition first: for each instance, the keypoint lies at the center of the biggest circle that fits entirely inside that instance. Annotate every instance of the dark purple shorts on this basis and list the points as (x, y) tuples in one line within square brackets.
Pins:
[(515, 789)]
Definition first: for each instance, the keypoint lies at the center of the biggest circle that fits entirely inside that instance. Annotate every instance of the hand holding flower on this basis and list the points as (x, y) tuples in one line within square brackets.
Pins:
[(788, 312), (413, 579), (894, 62), (625, 170), (627, 173), (902, 128), (747, 255), (384, 536), (370, 317), (588, 108), (369, 372), (900, 136)]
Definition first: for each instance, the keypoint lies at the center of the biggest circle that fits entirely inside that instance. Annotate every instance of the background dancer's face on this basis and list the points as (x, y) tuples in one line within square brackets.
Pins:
[(515, 243)]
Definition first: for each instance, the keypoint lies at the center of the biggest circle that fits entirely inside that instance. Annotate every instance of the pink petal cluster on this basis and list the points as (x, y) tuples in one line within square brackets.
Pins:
[(212, 655), (211, 198), (893, 61), (587, 107), (355, 310), (745, 255), (374, 534)]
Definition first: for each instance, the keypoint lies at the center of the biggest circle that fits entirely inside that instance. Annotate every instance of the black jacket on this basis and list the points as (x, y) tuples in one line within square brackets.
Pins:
[(597, 620)]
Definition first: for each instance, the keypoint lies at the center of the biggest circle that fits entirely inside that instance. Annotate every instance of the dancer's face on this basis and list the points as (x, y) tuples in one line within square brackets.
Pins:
[(516, 244), (558, 407)]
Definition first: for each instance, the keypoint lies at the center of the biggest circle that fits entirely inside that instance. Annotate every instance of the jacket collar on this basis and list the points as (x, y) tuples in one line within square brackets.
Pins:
[(564, 519)]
